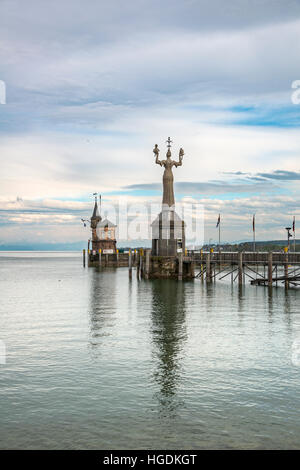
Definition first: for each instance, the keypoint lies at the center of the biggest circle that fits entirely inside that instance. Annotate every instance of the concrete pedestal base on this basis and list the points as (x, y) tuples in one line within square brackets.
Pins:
[(169, 267)]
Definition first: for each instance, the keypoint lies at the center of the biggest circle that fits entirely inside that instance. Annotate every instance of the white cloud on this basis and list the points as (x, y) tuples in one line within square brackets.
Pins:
[(90, 90)]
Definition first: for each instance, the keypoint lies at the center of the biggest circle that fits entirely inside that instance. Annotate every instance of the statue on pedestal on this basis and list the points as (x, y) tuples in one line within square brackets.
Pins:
[(168, 234), (168, 189)]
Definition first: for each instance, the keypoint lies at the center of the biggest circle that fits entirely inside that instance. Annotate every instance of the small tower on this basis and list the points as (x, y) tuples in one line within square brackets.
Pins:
[(103, 232), (95, 219)]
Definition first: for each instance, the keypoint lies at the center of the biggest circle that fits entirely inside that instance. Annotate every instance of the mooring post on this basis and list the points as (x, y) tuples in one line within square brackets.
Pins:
[(208, 271), (212, 265), (141, 263), (286, 269), (117, 257), (130, 264), (100, 260), (180, 266), (201, 264), (83, 257), (240, 268), (270, 269), (138, 264), (147, 264)]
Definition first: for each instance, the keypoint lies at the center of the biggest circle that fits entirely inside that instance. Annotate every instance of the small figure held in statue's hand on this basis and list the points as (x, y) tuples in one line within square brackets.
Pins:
[(156, 150)]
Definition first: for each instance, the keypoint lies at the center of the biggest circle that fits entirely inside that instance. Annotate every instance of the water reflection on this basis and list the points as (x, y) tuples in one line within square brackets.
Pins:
[(102, 305), (169, 335)]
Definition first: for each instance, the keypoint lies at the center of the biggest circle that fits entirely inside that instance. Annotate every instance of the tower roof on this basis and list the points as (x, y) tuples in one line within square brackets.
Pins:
[(96, 217), (96, 213), (106, 223)]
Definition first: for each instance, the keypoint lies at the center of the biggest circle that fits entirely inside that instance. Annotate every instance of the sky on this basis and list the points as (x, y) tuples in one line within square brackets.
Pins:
[(92, 86)]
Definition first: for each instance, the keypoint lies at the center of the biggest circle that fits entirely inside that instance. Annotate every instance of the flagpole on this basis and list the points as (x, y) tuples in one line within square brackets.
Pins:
[(253, 232), (219, 232), (294, 227)]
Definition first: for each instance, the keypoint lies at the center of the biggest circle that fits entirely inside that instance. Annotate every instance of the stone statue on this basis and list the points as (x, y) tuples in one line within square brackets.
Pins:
[(168, 190)]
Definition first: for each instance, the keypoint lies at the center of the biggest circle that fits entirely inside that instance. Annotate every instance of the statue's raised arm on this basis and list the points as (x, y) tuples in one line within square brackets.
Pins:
[(156, 153), (179, 163)]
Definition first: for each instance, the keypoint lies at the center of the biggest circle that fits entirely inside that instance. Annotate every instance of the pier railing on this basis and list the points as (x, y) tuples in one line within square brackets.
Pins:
[(249, 257)]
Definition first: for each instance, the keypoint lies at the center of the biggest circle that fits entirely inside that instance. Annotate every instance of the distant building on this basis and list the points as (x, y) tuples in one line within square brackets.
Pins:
[(103, 233)]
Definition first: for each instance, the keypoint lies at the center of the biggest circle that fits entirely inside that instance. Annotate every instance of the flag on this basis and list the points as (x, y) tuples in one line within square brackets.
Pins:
[(218, 222), (253, 223), (294, 224)]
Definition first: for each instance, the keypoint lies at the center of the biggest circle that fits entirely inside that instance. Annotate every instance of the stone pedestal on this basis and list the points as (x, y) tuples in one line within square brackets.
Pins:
[(170, 267), (168, 234)]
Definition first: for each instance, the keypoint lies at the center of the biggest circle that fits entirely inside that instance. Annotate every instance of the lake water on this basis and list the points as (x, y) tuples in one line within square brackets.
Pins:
[(95, 361)]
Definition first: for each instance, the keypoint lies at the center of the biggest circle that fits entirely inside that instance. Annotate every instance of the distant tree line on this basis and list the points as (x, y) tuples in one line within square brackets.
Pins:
[(275, 245)]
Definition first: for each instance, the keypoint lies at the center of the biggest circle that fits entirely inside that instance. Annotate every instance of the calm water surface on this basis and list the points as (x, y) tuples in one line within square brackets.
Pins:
[(95, 361)]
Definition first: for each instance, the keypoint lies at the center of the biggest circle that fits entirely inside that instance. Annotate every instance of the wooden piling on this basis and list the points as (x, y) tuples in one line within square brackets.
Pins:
[(208, 270), (130, 264), (138, 265), (240, 268), (83, 257), (147, 264), (141, 263), (270, 269), (286, 269), (180, 266)]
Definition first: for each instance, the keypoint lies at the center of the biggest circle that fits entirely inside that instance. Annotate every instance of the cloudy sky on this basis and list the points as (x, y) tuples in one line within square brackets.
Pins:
[(92, 85)]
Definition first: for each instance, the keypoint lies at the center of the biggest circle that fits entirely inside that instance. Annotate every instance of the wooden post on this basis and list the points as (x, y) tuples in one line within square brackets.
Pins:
[(117, 257), (147, 264), (201, 265), (286, 269), (270, 269), (141, 263), (240, 268), (180, 266), (130, 264), (137, 265), (208, 271), (83, 257)]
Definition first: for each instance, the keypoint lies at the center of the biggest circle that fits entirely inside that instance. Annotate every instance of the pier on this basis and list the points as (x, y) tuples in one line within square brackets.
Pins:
[(258, 268)]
